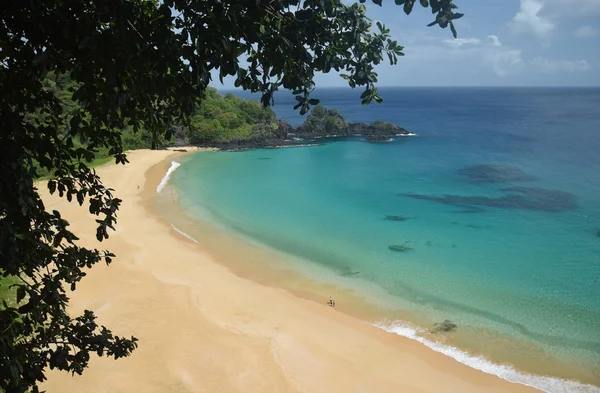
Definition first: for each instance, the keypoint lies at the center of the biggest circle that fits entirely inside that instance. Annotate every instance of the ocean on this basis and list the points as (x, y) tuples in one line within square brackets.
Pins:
[(489, 217)]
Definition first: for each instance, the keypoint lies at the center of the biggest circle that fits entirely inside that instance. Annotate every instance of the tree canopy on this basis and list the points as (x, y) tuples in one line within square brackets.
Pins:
[(78, 76), (226, 118)]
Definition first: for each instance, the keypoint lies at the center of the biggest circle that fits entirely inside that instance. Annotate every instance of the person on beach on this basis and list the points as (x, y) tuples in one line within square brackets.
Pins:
[(331, 302)]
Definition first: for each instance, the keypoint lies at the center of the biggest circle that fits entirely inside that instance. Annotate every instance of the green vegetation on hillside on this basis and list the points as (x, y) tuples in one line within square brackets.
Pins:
[(8, 291), (228, 118), (215, 119), (323, 121)]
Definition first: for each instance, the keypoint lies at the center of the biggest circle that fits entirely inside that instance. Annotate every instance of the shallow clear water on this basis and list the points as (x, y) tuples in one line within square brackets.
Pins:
[(522, 262)]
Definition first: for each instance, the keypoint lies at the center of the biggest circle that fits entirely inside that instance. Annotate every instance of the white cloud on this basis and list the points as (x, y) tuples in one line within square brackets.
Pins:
[(504, 62), (554, 66), (586, 31), (541, 17), (495, 40), (489, 54), (529, 19), (458, 42)]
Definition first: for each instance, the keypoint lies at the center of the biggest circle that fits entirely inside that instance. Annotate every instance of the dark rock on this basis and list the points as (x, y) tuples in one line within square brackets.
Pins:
[(400, 248), (396, 218), (378, 138), (357, 128), (320, 123), (495, 174), (446, 326), (284, 129), (258, 143), (324, 122), (384, 128)]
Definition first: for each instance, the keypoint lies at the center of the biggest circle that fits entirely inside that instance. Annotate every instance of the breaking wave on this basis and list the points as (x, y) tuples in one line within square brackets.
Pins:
[(546, 384), (165, 180)]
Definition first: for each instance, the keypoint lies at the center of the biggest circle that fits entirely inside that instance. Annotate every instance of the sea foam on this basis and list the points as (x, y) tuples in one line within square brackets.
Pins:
[(184, 234), (165, 180), (546, 384)]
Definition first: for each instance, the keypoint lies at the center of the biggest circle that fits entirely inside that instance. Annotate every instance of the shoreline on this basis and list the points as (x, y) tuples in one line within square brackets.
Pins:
[(202, 327), (542, 372)]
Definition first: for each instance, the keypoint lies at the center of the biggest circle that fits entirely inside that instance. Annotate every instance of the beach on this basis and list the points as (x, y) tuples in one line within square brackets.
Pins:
[(202, 328)]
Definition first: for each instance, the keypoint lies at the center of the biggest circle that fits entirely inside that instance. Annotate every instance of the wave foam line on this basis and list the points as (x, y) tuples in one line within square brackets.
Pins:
[(184, 234), (165, 180), (546, 384)]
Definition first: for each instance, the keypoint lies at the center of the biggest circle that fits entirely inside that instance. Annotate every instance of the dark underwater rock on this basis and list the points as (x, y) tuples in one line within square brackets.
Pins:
[(400, 248), (475, 226), (446, 326), (522, 198), (495, 174), (471, 210), (396, 218)]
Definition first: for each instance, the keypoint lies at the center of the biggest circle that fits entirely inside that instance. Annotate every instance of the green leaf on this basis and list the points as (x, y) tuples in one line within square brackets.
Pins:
[(20, 293), (424, 3), (14, 372), (453, 30)]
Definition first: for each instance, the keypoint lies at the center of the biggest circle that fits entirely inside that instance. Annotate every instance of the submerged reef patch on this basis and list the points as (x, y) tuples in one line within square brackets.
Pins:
[(522, 198), (400, 248), (495, 174), (396, 218), (446, 326)]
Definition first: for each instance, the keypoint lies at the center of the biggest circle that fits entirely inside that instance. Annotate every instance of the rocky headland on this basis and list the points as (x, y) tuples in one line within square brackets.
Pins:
[(321, 123)]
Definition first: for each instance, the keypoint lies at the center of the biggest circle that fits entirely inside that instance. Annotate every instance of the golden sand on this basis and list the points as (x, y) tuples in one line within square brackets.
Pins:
[(202, 328)]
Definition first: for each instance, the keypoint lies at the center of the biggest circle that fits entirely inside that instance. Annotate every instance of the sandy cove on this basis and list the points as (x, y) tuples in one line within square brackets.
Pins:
[(204, 329)]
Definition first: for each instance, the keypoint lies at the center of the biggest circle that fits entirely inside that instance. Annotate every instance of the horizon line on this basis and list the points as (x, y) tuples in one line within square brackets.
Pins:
[(437, 87)]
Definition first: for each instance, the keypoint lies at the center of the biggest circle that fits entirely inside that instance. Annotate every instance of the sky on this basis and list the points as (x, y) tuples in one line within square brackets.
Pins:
[(500, 43)]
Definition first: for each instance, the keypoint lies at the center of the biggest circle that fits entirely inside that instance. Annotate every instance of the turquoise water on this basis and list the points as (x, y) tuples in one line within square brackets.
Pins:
[(522, 262)]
